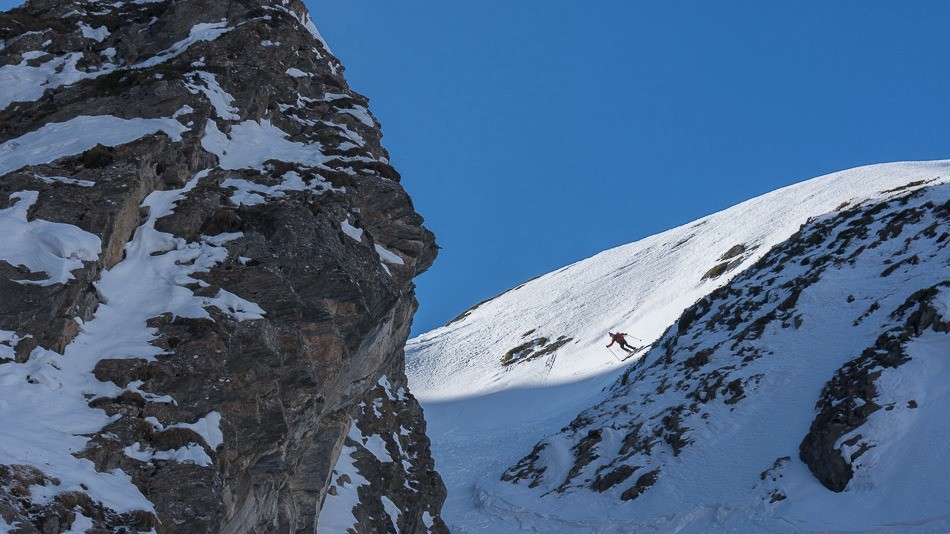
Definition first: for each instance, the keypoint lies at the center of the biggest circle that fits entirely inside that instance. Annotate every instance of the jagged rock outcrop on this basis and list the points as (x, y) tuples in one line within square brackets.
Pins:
[(833, 444), (206, 266)]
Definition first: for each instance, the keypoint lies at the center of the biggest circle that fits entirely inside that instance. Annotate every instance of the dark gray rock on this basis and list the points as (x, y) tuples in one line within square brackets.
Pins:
[(848, 399)]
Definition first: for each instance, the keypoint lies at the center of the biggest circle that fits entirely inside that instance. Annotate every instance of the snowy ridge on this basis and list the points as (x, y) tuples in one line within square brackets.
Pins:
[(678, 441), (640, 288), (725, 403)]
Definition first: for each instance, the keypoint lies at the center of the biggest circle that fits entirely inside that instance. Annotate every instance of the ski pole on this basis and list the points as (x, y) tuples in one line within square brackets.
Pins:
[(614, 353)]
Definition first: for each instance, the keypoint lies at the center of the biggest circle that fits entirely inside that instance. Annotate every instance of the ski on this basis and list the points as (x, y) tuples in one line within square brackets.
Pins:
[(630, 354)]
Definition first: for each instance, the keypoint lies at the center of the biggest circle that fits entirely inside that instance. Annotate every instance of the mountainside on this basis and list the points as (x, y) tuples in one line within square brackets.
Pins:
[(206, 267), (795, 379)]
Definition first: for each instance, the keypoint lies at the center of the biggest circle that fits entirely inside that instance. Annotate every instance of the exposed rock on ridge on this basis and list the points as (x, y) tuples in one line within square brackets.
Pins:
[(217, 279), (872, 275)]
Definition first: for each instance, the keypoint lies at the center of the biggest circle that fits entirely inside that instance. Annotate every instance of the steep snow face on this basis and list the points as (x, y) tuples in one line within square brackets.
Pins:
[(704, 431), (640, 288)]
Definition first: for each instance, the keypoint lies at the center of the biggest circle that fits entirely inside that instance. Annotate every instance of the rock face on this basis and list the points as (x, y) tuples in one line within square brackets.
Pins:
[(206, 266)]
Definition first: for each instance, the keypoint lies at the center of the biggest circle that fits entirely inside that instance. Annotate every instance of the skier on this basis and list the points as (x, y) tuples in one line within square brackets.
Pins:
[(620, 339)]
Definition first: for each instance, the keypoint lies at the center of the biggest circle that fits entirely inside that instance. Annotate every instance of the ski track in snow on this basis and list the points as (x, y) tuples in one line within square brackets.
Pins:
[(483, 417)]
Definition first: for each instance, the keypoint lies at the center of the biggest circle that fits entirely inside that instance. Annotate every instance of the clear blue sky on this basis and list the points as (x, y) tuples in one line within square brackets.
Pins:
[(534, 133)]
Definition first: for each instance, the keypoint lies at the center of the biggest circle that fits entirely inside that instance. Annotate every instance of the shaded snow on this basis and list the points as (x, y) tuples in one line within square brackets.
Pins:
[(350, 230), (236, 307), (206, 31), (336, 514), (43, 246), (81, 524), (192, 453), (306, 22), (8, 340), (64, 180), (97, 34), (24, 83), (220, 99), (208, 427), (44, 401), (60, 139), (388, 256), (248, 193), (309, 25), (392, 511), (251, 143), (360, 113)]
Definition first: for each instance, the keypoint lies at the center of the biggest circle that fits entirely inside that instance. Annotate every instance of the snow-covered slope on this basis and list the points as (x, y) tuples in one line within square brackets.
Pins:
[(640, 288), (677, 418)]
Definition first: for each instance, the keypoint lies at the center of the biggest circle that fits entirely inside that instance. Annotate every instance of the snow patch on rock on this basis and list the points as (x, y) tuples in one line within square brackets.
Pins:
[(336, 515), (248, 193), (44, 401), (193, 453), (206, 31), (25, 83), (350, 230), (43, 246), (250, 144), (207, 84), (97, 34), (60, 139)]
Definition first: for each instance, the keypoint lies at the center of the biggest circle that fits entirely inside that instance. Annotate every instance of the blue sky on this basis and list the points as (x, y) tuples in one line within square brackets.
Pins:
[(534, 133)]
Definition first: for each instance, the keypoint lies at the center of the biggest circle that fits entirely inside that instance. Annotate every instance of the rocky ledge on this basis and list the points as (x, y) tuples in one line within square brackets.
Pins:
[(206, 265)]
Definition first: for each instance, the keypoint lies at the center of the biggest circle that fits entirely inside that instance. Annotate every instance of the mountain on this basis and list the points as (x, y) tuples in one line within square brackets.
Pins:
[(795, 378), (206, 265)]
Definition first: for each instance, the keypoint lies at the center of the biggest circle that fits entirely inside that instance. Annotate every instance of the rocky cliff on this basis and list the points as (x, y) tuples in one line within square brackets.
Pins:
[(206, 265)]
